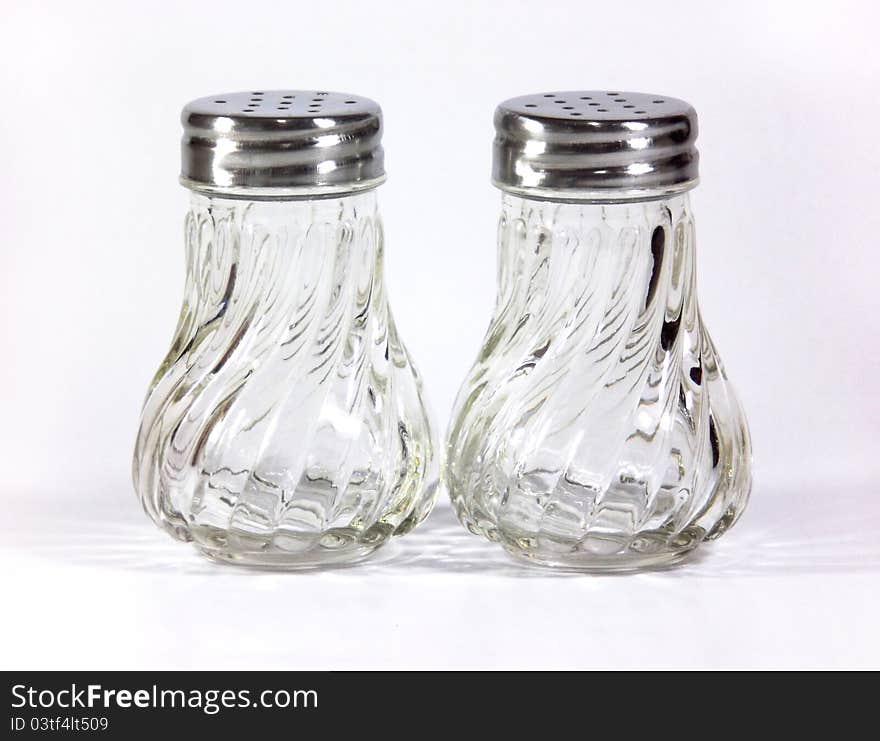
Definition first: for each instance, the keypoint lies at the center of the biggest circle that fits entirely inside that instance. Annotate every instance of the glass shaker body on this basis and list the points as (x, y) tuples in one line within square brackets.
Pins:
[(286, 427), (597, 429)]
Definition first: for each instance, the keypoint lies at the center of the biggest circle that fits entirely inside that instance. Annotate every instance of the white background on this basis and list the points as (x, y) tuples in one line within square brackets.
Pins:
[(92, 273)]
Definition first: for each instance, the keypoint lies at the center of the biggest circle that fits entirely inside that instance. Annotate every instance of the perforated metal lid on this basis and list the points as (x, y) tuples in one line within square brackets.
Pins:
[(282, 144), (590, 145)]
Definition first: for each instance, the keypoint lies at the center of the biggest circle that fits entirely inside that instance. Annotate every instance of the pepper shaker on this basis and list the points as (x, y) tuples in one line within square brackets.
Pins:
[(286, 427), (597, 429)]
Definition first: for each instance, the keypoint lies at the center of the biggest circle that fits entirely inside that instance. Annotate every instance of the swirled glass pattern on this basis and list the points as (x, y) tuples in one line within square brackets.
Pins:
[(286, 426), (597, 428)]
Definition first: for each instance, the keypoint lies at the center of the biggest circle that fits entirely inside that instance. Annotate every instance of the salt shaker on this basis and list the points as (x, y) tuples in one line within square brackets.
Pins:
[(286, 427), (597, 429)]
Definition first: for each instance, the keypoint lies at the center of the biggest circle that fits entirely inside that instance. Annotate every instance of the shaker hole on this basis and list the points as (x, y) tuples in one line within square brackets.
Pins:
[(629, 106), (620, 100), (568, 108), (640, 111), (530, 105), (586, 97), (602, 110), (594, 104), (612, 94), (549, 95), (350, 102), (658, 101)]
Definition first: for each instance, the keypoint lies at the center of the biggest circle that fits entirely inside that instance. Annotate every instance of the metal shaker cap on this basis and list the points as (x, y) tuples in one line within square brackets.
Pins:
[(595, 146), (282, 144)]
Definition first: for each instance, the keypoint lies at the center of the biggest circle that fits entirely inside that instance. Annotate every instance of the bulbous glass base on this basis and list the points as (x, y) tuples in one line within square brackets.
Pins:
[(597, 429), (286, 427)]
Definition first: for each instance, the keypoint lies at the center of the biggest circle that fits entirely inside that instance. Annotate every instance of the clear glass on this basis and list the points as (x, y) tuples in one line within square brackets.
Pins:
[(597, 429), (286, 427)]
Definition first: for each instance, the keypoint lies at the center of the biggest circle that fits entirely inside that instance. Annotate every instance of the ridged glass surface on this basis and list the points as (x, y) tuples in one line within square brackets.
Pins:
[(597, 428), (286, 426)]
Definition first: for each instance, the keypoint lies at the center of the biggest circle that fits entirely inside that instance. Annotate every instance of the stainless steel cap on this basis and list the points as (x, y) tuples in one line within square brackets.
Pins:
[(282, 144), (595, 145)]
